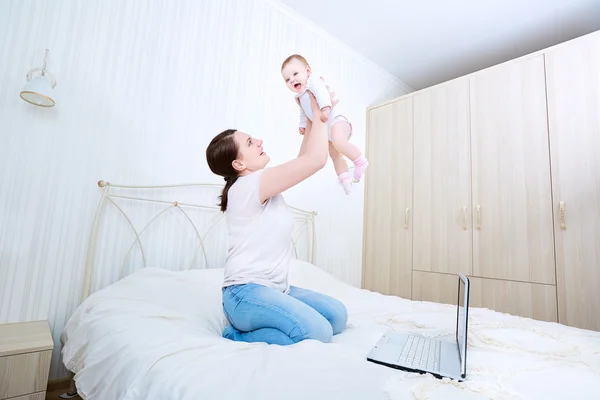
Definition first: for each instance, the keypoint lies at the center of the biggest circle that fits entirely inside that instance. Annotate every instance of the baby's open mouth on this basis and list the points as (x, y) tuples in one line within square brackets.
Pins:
[(297, 86)]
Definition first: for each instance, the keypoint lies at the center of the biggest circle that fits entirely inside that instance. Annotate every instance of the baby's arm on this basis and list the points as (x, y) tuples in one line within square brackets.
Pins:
[(319, 89), (302, 125)]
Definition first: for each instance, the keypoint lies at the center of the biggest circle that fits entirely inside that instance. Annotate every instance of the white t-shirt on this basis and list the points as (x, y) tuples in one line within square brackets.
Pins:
[(260, 236)]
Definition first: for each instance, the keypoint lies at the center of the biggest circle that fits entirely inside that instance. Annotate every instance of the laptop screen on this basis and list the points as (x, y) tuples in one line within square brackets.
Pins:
[(462, 319)]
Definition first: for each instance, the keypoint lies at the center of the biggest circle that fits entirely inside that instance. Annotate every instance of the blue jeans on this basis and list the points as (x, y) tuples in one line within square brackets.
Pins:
[(260, 314)]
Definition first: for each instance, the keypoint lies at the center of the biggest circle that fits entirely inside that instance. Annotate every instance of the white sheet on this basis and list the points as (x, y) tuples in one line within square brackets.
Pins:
[(156, 335)]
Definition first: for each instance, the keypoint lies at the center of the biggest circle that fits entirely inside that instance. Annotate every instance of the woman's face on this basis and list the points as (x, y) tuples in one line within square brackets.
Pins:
[(251, 156)]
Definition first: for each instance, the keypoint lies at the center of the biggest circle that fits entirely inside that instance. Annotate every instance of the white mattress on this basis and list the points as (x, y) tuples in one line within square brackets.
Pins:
[(156, 335)]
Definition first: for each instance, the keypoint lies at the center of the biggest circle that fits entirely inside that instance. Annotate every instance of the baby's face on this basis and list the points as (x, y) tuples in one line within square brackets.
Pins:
[(295, 74)]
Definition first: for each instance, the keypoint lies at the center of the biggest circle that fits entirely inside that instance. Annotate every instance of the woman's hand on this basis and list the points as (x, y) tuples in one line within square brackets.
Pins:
[(316, 110), (326, 111)]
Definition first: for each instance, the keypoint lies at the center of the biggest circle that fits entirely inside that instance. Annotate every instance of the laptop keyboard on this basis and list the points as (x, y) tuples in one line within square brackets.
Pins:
[(421, 353)]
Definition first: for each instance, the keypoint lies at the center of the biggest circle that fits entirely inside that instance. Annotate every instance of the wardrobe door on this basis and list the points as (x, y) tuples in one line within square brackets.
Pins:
[(387, 243), (529, 300), (435, 287), (442, 179), (573, 79), (512, 199)]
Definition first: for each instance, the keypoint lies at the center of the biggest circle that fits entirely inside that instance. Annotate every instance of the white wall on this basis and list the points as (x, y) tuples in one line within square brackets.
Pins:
[(142, 87)]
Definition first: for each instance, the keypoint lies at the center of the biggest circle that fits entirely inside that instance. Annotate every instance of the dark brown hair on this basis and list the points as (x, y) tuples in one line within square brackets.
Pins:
[(220, 154), (294, 57)]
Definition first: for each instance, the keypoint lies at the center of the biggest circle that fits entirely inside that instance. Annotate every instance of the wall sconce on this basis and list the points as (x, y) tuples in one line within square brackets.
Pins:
[(38, 89)]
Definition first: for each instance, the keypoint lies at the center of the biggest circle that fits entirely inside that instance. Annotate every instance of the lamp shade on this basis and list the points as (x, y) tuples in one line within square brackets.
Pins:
[(38, 91)]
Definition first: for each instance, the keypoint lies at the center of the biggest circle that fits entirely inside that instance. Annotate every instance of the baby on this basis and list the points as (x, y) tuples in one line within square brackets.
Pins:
[(298, 77)]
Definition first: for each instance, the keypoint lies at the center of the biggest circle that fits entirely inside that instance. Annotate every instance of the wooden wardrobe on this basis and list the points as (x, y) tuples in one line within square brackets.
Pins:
[(496, 175)]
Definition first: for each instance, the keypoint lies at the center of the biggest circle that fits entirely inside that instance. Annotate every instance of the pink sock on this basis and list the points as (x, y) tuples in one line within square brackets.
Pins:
[(346, 181), (360, 165)]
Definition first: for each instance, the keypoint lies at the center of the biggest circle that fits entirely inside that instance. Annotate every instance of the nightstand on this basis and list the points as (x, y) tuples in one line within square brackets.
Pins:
[(25, 353)]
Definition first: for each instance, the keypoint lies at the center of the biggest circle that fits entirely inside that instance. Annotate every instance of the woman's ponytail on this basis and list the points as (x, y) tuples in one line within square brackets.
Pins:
[(220, 154), (229, 181)]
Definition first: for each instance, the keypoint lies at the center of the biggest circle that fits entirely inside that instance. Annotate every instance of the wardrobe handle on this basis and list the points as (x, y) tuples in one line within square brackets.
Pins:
[(478, 217), (464, 215), (563, 225), (406, 218)]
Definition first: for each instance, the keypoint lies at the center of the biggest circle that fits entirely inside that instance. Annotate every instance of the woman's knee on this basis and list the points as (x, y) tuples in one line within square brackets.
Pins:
[(339, 316), (317, 328)]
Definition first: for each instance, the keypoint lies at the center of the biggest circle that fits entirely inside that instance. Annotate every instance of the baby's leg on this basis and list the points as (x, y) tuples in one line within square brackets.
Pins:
[(340, 134), (341, 169)]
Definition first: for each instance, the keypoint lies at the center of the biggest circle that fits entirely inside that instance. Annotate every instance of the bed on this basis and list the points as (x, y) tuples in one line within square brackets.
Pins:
[(149, 326)]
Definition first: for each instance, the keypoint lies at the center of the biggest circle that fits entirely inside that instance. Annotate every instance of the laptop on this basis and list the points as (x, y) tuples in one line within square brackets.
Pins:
[(416, 353)]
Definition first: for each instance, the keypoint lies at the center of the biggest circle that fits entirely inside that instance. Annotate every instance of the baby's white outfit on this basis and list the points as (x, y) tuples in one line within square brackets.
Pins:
[(317, 87)]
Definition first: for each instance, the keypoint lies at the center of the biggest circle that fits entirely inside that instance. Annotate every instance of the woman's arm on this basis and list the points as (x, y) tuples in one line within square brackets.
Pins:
[(305, 138), (278, 179), (334, 101)]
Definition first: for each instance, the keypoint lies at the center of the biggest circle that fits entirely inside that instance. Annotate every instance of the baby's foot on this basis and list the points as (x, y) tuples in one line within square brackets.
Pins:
[(346, 181), (360, 166)]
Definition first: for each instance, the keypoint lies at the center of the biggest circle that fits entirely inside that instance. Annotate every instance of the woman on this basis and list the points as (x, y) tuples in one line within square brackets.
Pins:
[(258, 301)]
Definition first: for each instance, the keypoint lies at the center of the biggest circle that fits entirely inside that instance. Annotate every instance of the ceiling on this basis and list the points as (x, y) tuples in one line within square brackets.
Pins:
[(425, 42)]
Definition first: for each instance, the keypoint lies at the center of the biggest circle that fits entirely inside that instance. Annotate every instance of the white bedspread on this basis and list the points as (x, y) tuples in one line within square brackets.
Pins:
[(156, 335)]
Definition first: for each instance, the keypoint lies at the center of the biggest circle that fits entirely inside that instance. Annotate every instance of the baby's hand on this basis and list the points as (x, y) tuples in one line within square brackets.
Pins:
[(302, 130), (334, 100), (325, 113)]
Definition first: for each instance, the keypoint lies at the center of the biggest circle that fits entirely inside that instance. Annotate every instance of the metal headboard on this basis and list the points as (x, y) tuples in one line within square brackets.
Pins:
[(119, 198)]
